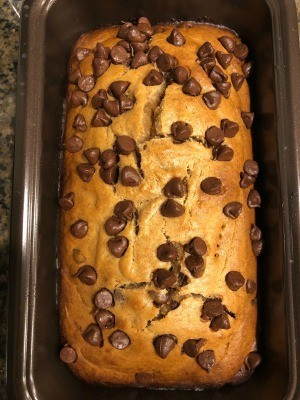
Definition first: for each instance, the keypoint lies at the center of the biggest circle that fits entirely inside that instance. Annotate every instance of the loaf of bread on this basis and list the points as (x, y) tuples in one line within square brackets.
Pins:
[(158, 241)]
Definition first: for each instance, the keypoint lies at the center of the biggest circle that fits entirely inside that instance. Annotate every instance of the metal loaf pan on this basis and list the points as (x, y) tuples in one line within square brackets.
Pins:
[(49, 28)]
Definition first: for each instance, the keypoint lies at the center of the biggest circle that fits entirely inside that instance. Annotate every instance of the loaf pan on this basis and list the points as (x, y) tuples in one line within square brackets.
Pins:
[(49, 29)]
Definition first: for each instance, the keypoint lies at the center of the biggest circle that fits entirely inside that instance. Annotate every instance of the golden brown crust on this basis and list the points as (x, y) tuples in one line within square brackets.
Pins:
[(228, 242)]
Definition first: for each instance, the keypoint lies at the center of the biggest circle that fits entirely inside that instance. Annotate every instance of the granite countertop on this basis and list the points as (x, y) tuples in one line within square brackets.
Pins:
[(9, 26)]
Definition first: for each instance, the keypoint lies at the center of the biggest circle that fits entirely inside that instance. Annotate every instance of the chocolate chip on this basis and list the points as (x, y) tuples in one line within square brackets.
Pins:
[(246, 68), (217, 75), (92, 155), (195, 264), (98, 98), (182, 280), (251, 167), (211, 185), (181, 131), (100, 65), (174, 188), (146, 29), (139, 59), (167, 252), (74, 76), (153, 78), (229, 128), (68, 355), (125, 145), (234, 280), (246, 180), (144, 20), (257, 247), (85, 171), (108, 159), (214, 136), (233, 209), (224, 59), (237, 80), (164, 344), (206, 50), (104, 299), (130, 176), (158, 29), (154, 53), (123, 30), (241, 51), (81, 53), (224, 88), (211, 308), (118, 87), (105, 319), (248, 118), (163, 279), (172, 209), (119, 340), (100, 119), (135, 47), (126, 103), (126, 45), (252, 361), (191, 87), (165, 62), (79, 123), (79, 229), (73, 144), (93, 335), (102, 51), (208, 64), (228, 43), (220, 322), (112, 108), (79, 98), (191, 347), (67, 202), (118, 55), (206, 360), (176, 38), (118, 246), (110, 175), (196, 246), (180, 75), (134, 35), (86, 83), (87, 275), (250, 286), (124, 209), (114, 225), (253, 199), (255, 233), (224, 153), (212, 99)]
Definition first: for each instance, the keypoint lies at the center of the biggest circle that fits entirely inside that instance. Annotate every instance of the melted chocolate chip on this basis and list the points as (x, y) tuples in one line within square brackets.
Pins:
[(67, 202), (102, 51), (176, 38), (68, 355), (79, 229), (252, 361), (253, 199), (154, 53), (112, 108), (153, 78), (224, 88), (191, 347), (195, 264), (182, 280), (246, 180), (211, 309), (208, 64), (206, 360), (224, 153), (257, 247), (110, 175), (119, 340), (248, 118), (81, 53), (73, 144), (124, 209), (98, 98), (172, 209), (214, 136), (79, 98), (100, 119), (241, 51), (174, 188), (211, 185), (196, 246), (212, 99), (74, 76), (220, 322), (108, 159), (233, 209), (234, 280), (237, 80), (114, 225), (93, 335), (250, 286), (104, 299), (79, 123), (125, 145), (163, 279), (246, 68), (100, 65), (181, 131), (206, 50), (180, 75), (87, 275), (139, 59), (229, 128), (126, 103), (118, 55), (167, 252), (105, 319), (86, 83), (165, 62), (130, 176), (164, 344), (224, 59), (191, 87), (217, 75), (251, 167), (118, 246), (228, 43), (255, 233), (85, 171)]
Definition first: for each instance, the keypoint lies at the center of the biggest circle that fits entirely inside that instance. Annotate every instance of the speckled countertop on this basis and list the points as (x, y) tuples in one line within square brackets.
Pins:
[(9, 38)]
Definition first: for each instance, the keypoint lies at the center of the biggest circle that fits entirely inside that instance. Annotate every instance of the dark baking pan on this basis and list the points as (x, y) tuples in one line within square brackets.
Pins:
[(49, 28)]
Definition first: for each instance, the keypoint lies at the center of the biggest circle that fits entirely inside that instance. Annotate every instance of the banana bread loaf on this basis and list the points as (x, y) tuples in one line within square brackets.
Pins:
[(158, 240)]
